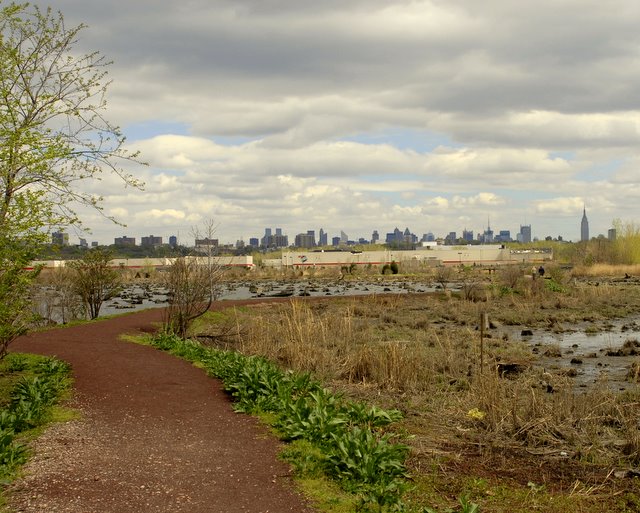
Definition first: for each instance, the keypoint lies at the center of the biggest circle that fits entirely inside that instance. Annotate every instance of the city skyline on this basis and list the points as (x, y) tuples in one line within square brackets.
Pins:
[(329, 236), (363, 115)]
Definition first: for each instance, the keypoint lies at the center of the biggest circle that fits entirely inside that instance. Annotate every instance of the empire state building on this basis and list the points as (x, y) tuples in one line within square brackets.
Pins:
[(584, 226)]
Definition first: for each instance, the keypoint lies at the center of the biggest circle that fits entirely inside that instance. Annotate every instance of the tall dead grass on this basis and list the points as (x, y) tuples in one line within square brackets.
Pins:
[(341, 346), (422, 354), (546, 413), (610, 270)]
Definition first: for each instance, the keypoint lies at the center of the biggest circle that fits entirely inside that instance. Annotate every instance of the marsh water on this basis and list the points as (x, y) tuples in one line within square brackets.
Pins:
[(588, 353), (138, 298)]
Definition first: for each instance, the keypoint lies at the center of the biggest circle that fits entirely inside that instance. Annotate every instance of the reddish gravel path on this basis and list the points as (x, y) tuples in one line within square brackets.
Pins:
[(156, 435)]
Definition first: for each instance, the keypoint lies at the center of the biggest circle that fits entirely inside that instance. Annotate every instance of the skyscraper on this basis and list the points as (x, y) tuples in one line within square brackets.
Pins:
[(323, 238), (525, 233), (584, 225)]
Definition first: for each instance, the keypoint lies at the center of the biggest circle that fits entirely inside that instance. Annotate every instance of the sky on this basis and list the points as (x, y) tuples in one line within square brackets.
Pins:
[(362, 115)]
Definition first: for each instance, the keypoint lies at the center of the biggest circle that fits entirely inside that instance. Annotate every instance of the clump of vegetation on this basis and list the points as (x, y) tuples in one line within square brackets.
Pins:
[(391, 268), (94, 281), (30, 386), (349, 438)]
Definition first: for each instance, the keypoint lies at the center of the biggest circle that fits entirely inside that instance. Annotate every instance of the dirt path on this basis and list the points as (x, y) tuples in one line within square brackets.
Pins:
[(156, 435)]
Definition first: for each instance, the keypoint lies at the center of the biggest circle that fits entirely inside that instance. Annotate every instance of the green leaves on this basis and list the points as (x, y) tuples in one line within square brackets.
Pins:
[(31, 401), (53, 131), (15, 283), (351, 445)]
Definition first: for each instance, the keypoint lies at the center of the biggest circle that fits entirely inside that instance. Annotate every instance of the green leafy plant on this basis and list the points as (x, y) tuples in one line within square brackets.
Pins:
[(316, 417), (30, 403), (12, 454), (343, 439)]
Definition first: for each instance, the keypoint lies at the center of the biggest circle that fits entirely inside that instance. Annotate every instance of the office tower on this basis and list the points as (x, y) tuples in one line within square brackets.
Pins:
[(60, 238), (584, 225), (323, 238)]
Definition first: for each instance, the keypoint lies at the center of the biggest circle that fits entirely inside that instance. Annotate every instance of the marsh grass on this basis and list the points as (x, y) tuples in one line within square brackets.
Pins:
[(430, 349), (420, 354), (599, 270)]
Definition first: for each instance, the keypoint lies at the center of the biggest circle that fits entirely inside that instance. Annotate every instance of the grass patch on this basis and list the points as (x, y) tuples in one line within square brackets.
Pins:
[(30, 388)]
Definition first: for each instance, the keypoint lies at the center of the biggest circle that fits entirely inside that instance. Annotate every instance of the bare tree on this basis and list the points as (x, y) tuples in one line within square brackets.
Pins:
[(443, 276), (55, 297), (470, 285), (94, 280), (192, 283)]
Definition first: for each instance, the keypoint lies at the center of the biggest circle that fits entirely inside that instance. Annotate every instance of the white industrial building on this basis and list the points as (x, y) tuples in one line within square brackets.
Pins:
[(481, 255)]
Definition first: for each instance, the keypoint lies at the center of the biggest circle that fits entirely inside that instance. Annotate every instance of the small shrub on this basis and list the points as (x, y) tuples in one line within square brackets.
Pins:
[(12, 454), (363, 462), (16, 362)]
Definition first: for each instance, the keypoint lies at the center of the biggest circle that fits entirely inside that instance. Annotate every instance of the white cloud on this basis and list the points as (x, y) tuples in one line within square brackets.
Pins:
[(483, 199), (280, 113), (560, 206)]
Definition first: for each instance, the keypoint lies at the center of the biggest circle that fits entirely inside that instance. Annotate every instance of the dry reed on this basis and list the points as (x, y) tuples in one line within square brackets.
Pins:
[(421, 354)]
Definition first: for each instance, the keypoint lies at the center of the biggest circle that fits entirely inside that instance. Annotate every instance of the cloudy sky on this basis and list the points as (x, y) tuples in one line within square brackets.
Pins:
[(358, 115)]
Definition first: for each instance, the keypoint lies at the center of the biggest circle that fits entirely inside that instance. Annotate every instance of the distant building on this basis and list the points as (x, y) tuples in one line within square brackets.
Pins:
[(488, 235), (584, 225), (467, 235), (83, 243), (254, 242), (323, 238), (203, 244), (279, 240), (151, 240), (503, 236), (451, 238), (124, 241), (525, 234), (173, 241), (266, 239), (305, 240), (344, 238), (611, 235), (375, 237), (394, 236), (312, 235), (408, 237), (94, 244), (60, 238), (335, 241)]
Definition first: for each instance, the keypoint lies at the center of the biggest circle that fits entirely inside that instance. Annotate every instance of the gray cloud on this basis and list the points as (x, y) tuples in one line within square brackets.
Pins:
[(505, 85)]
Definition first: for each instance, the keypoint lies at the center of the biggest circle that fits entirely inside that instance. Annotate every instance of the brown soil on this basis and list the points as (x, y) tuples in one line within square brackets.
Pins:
[(156, 435)]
